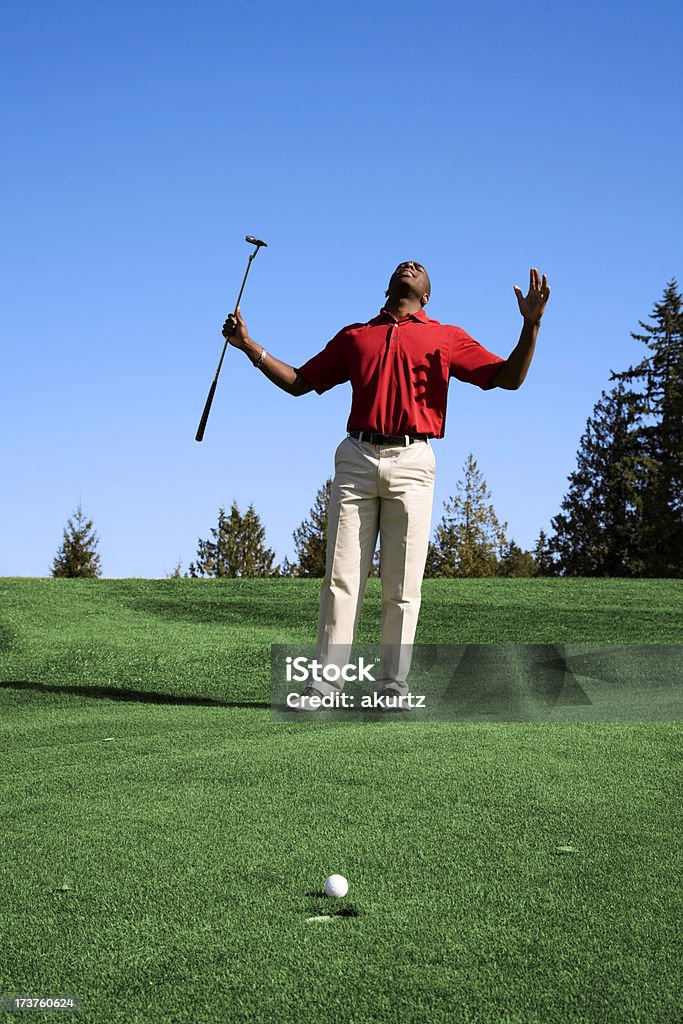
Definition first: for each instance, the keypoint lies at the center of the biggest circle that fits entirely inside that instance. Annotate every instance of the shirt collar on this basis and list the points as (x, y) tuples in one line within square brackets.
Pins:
[(384, 316)]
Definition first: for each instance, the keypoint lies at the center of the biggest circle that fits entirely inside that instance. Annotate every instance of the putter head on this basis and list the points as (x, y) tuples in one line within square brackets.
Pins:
[(254, 241)]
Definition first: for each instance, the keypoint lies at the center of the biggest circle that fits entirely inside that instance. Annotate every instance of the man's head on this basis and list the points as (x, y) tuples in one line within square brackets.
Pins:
[(410, 279)]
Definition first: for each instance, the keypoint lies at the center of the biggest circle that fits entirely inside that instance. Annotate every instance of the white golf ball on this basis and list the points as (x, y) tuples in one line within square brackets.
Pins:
[(336, 885)]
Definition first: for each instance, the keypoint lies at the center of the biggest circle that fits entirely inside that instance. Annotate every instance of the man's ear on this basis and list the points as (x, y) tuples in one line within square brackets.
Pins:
[(424, 300)]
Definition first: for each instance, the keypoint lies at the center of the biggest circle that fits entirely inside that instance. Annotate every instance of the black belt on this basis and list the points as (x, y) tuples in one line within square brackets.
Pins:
[(395, 439)]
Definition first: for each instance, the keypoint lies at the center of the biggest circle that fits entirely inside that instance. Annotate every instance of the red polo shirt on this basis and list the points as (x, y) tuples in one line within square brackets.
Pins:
[(399, 371)]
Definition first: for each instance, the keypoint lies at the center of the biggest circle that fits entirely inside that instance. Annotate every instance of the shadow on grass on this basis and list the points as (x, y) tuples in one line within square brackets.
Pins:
[(139, 696), (327, 908)]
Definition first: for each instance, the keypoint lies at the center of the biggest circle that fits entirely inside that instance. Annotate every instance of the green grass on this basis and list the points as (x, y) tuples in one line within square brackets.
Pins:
[(162, 853)]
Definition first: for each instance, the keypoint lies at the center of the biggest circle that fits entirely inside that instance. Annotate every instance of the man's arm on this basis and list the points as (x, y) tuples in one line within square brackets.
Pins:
[(282, 374), (513, 371)]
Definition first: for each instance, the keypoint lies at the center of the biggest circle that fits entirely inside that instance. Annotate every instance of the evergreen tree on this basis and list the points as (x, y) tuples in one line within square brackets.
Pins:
[(288, 568), (77, 556), (310, 538), (257, 559), (216, 557), (515, 562), (469, 539), (655, 397), (596, 533), (238, 547), (543, 556)]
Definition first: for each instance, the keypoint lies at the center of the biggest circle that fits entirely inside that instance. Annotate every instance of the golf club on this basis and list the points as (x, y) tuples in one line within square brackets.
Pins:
[(212, 390)]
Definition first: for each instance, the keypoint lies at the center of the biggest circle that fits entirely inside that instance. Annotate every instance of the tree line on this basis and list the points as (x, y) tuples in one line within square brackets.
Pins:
[(622, 514)]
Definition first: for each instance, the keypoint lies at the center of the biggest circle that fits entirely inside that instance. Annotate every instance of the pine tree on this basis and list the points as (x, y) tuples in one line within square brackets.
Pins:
[(656, 400), (596, 533), (257, 559), (238, 547), (543, 556), (515, 562), (310, 538), (213, 557), (77, 556), (469, 539)]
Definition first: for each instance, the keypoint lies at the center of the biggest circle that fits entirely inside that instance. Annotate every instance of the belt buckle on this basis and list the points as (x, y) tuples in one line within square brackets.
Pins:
[(383, 439)]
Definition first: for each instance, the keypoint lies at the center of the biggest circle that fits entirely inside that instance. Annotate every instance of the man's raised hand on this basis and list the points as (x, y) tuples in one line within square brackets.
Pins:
[(235, 330), (533, 305)]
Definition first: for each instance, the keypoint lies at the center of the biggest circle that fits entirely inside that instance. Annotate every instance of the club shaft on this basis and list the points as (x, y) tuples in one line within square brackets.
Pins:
[(244, 279), (212, 390), (237, 305)]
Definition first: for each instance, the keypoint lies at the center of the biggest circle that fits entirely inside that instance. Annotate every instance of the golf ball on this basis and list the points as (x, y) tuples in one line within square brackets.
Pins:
[(336, 885)]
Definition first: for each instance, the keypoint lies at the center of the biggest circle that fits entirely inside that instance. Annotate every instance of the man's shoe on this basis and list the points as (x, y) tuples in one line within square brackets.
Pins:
[(391, 700), (309, 700)]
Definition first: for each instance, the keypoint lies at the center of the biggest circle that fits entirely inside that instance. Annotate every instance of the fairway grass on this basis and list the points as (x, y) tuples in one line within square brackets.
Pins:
[(166, 842)]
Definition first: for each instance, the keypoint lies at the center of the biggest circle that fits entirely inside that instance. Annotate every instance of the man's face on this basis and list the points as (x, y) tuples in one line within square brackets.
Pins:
[(412, 278)]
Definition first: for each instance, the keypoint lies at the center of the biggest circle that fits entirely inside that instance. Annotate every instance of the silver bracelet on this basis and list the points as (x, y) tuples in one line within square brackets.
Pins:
[(260, 359)]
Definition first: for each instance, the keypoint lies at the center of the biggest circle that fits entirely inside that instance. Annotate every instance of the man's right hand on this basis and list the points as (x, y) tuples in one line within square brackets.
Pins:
[(235, 330)]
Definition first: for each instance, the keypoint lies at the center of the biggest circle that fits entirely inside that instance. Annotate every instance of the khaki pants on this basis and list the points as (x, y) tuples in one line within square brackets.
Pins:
[(387, 490)]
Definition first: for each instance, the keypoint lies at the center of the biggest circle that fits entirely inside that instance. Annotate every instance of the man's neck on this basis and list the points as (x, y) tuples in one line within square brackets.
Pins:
[(402, 307)]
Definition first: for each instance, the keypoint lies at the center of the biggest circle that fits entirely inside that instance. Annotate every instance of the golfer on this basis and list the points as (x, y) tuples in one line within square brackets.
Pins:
[(399, 365)]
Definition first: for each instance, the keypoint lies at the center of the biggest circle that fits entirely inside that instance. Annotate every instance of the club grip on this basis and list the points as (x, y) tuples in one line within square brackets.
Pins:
[(205, 414)]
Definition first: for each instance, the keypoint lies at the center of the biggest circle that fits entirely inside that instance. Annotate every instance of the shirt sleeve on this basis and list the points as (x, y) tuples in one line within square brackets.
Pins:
[(471, 362), (329, 367)]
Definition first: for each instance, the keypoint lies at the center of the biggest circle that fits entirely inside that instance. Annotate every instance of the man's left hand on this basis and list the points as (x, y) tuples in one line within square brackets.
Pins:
[(533, 305)]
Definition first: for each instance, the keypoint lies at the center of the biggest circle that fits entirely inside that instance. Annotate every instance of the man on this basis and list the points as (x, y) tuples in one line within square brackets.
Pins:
[(399, 365)]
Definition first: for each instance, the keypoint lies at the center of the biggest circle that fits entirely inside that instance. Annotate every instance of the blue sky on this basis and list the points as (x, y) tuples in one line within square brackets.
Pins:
[(143, 141)]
